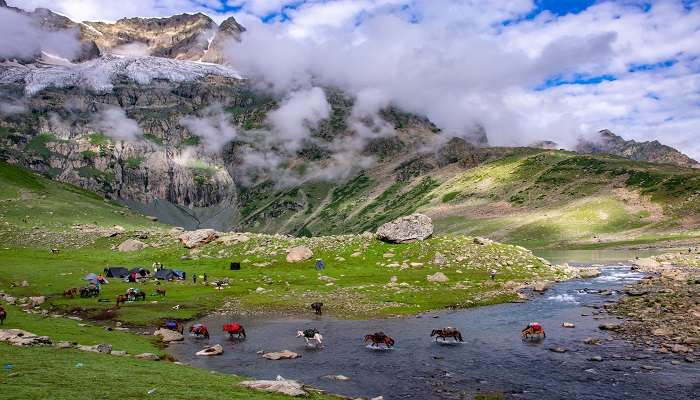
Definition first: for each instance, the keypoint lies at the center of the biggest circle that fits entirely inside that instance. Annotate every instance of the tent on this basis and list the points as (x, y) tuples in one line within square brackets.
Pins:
[(165, 274), (140, 271), (116, 272), (179, 274), (92, 278)]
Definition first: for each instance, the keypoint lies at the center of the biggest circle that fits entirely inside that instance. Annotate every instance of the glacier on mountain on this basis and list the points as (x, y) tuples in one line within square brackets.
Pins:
[(98, 75)]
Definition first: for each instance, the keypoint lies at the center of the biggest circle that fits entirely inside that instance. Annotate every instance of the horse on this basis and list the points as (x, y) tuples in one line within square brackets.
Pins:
[(121, 299), (317, 307), (311, 334), (89, 291), (235, 329), (447, 332), (70, 292), (378, 338), (160, 292), (199, 330), (140, 294), (533, 330), (174, 326), (3, 315)]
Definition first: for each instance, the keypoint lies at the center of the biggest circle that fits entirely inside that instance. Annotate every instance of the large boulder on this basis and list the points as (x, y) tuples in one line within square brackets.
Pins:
[(98, 348), (167, 335), (148, 356), (406, 229), (299, 253), (37, 301), (280, 385), (197, 238), (131, 245)]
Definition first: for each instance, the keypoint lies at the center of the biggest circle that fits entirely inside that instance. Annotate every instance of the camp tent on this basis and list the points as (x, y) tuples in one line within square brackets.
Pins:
[(165, 274), (92, 278), (140, 271), (116, 272), (179, 274)]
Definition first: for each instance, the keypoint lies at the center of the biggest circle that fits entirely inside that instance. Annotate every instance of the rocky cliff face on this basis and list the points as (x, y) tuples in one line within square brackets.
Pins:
[(655, 152)]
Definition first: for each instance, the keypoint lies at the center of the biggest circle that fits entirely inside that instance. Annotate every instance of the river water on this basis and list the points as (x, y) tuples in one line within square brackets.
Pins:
[(493, 358)]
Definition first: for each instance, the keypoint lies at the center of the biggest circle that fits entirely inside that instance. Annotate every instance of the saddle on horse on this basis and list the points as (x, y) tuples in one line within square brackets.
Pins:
[(310, 333)]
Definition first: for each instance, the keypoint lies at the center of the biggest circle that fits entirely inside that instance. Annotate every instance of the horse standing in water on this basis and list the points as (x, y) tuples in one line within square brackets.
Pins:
[(533, 331), (310, 335), (235, 329), (445, 333), (199, 330), (378, 338)]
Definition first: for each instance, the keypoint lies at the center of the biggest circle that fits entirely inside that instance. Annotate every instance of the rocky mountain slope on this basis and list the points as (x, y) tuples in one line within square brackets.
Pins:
[(121, 126), (610, 143)]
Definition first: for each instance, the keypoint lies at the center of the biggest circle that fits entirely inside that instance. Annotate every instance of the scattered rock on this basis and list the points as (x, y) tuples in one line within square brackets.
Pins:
[(148, 356), (437, 277), (596, 358), (610, 327), (280, 385), (116, 230), (337, 377), (568, 325), (214, 350), (326, 279), (588, 273), (37, 301), (541, 286), (439, 259), (63, 345), (198, 238), (558, 349), (281, 355), (98, 348), (481, 241), (679, 348), (594, 341), (118, 353), (167, 335), (18, 337), (356, 254), (130, 245), (299, 253), (406, 229)]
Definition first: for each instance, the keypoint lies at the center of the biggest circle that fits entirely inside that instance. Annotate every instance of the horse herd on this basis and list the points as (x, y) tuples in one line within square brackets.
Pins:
[(94, 291)]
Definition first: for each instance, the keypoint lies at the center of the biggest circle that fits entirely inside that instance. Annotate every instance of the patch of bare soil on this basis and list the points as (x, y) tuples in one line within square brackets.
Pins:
[(636, 203)]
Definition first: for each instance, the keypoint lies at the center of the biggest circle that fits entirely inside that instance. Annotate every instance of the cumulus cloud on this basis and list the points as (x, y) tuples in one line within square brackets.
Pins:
[(21, 37), (113, 122), (524, 81), (300, 112), (212, 127)]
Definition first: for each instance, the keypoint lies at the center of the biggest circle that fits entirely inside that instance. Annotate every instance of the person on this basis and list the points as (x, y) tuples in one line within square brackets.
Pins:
[(205, 277), (493, 274), (194, 278), (320, 265), (132, 277)]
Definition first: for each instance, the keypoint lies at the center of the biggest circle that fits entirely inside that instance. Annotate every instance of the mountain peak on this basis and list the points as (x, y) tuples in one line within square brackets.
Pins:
[(610, 143)]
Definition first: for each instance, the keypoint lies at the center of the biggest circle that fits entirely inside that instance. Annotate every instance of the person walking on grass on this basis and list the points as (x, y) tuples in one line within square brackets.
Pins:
[(320, 265), (205, 277), (194, 278), (493, 274)]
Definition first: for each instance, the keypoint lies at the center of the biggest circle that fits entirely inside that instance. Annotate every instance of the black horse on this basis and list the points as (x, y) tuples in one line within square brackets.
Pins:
[(89, 291), (317, 307)]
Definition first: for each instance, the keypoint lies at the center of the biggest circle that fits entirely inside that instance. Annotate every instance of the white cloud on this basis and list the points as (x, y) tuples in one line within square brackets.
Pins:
[(21, 37), (213, 128), (113, 122)]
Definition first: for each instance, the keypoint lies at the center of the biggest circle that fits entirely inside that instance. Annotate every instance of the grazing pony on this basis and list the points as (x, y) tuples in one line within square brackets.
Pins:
[(140, 295), (311, 334), (89, 291), (317, 307), (160, 292), (199, 330), (3, 315), (378, 338), (533, 330), (71, 292), (235, 329), (447, 332)]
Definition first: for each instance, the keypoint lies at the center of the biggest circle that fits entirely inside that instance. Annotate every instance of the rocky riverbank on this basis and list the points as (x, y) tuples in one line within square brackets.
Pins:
[(663, 310)]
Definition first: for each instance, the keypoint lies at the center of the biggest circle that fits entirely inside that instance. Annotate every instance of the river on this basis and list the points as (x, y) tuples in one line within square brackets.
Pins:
[(493, 358)]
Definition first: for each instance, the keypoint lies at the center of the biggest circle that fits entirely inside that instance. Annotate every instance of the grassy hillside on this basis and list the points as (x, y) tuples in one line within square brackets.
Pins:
[(537, 198)]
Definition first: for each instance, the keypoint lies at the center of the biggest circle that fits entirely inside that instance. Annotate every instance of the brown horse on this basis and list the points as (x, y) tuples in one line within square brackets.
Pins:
[(3, 315), (445, 333), (70, 292), (140, 295), (199, 330), (160, 292), (533, 331), (317, 306), (121, 299), (378, 338)]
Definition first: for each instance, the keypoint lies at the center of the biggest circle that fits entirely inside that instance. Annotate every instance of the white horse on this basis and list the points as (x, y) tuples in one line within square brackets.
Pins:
[(308, 337)]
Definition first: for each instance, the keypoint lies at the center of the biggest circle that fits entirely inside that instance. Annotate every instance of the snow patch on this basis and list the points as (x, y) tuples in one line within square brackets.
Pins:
[(98, 75)]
